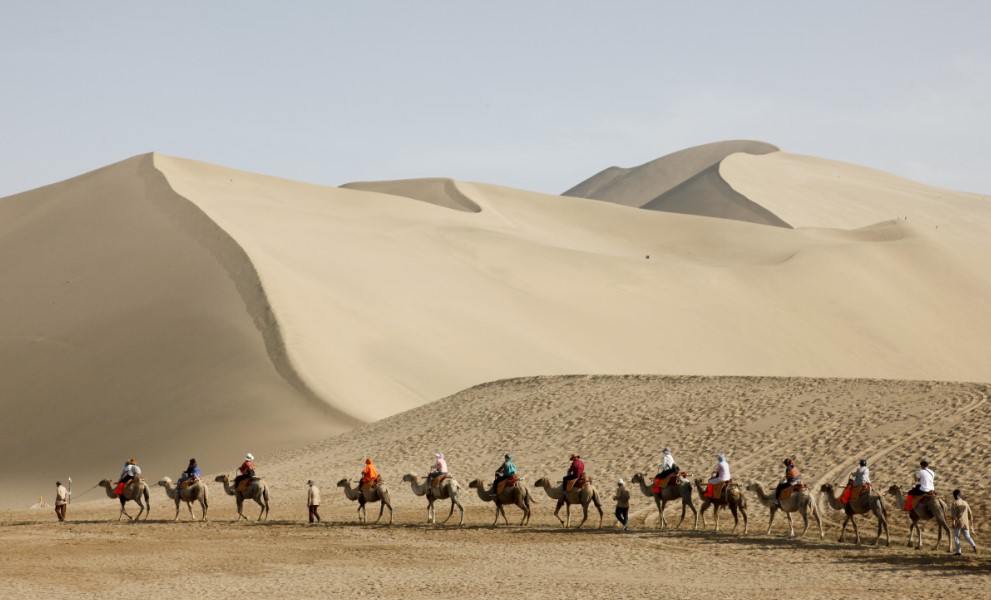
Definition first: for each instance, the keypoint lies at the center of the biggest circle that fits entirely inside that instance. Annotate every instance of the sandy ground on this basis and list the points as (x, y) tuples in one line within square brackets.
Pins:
[(619, 425)]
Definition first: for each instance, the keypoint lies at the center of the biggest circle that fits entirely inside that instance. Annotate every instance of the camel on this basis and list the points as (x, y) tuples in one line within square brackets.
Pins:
[(196, 492), (682, 491), (866, 503), (736, 501), (584, 496), (518, 495), (934, 508), (379, 493), (799, 501), (131, 492), (256, 490), (449, 488)]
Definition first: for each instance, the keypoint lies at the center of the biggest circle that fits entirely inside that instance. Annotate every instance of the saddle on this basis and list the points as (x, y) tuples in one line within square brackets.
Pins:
[(720, 492), (119, 491), (243, 485), (438, 479), (188, 483), (505, 483), (580, 483), (853, 493), (786, 493), (912, 502), (370, 484), (670, 480)]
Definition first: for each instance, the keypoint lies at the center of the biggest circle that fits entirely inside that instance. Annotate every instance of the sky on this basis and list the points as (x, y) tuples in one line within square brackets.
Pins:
[(534, 95)]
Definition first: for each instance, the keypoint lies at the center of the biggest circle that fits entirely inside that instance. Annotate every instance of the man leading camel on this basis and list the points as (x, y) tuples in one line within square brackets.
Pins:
[(962, 520)]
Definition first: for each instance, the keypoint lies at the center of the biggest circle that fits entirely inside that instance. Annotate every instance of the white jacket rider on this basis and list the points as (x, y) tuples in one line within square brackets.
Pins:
[(722, 471)]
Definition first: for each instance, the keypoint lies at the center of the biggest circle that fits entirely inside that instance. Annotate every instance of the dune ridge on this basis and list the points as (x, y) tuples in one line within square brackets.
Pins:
[(124, 337), (440, 191), (639, 186)]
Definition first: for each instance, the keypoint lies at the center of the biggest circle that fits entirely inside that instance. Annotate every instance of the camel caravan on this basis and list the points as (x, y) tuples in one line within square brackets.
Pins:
[(670, 484)]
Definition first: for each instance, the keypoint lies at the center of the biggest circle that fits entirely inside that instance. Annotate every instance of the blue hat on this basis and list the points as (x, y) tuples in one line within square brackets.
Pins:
[(721, 458)]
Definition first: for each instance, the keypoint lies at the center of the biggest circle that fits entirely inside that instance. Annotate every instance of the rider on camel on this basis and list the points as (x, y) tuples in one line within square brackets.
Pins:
[(925, 477), (858, 479), (246, 470), (792, 477), (575, 471), (722, 475), (369, 474), (439, 468), (191, 472), (667, 466), (506, 470)]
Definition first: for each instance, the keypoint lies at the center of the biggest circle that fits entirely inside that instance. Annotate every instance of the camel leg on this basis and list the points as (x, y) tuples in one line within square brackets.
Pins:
[(805, 519), (204, 506), (505, 519), (262, 511), (684, 509), (791, 525), (746, 519), (462, 510), (715, 516), (381, 510), (770, 522), (123, 510), (390, 513), (660, 512), (557, 510), (584, 514), (691, 505), (843, 528)]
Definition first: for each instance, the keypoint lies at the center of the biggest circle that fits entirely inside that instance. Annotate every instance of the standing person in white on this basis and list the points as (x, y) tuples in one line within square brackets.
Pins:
[(313, 501), (61, 500)]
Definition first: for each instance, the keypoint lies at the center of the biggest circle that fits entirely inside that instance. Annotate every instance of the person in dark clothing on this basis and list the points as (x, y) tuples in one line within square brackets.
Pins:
[(622, 499)]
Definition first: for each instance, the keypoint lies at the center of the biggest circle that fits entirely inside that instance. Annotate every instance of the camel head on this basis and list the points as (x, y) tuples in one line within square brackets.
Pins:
[(407, 478), (637, 478), (894, 490), (165, 482), (542, 482), (105, 483), (753, 487), (344, 482), (221, 479), (475, 484), (826, 488)]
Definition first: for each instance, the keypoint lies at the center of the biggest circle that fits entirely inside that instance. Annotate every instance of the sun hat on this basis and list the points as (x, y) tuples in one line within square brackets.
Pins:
[(249, 456), (620, 481)]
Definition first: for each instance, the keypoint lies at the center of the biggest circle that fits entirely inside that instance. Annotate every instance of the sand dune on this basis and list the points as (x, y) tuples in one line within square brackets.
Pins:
[(133, 326), (189, 295), (639, 186)]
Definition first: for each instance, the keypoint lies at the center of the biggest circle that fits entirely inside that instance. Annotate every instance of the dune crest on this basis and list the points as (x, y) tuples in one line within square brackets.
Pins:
[(440, 191)]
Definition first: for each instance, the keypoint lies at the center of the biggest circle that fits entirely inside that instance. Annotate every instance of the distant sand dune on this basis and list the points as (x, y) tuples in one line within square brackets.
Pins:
[(439, 191), (638, 186)]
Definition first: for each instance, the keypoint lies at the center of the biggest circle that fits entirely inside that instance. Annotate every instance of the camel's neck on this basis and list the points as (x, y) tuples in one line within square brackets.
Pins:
[(110, 491), (644, 488), (352, 493), (553, 491), (899, 498), (418, 488), (834, 502), (227, 487), (764, 498), (483, 494)]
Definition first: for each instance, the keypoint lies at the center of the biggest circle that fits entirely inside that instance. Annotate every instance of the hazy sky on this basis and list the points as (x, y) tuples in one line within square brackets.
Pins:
[(537, 95)]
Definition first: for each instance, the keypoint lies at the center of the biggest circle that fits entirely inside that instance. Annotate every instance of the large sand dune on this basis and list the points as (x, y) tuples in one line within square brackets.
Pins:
[(167, 308)]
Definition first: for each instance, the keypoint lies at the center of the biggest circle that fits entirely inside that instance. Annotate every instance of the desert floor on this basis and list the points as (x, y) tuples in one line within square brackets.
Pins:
[(614, 422)]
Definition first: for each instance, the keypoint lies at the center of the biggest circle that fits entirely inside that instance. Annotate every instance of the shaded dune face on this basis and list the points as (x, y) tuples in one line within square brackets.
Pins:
[(125, 331), (645, 186), (439, 191)]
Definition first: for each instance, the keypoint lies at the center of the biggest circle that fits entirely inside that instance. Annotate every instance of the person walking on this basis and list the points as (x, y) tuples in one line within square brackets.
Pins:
[(61, 500), (313, 501), (963, 519), (622, 499)]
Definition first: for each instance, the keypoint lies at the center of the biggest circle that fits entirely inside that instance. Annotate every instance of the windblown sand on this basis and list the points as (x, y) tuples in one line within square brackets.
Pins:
[(619, 424)]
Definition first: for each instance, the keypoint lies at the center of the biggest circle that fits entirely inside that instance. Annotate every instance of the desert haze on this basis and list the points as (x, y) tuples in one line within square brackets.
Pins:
[(731, 297)]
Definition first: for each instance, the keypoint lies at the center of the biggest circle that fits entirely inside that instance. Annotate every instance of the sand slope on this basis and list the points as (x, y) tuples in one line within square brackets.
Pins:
[(639, 186), (130, 326), (387, 301), (188, 295)]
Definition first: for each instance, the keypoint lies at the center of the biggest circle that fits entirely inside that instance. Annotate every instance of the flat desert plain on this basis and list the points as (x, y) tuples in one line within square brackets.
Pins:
[(618, 424)]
